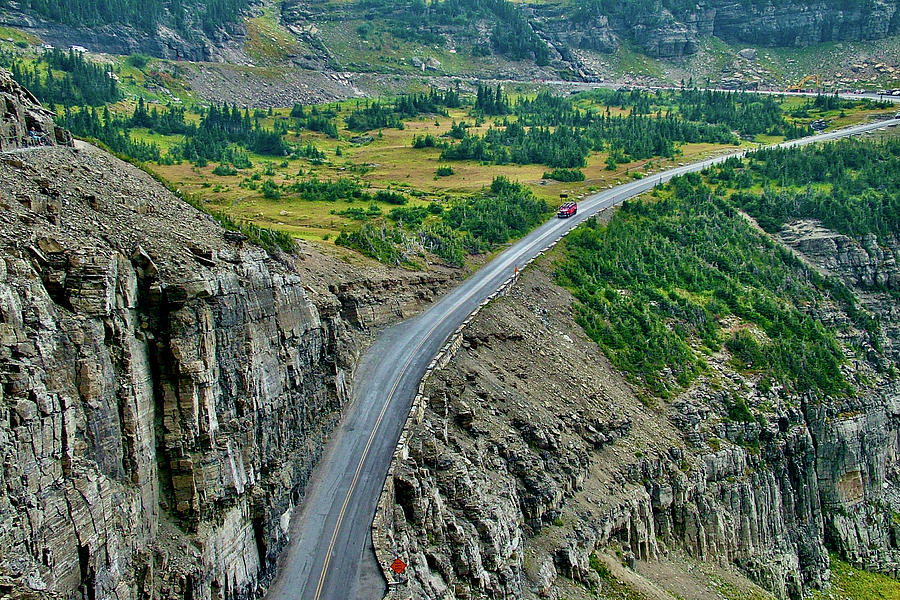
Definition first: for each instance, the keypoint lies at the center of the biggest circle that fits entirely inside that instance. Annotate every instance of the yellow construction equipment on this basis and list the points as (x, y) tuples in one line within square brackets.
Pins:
[(798, 87)]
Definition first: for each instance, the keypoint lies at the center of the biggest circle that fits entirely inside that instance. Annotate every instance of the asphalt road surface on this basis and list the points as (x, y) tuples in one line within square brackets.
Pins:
[(330, 556)]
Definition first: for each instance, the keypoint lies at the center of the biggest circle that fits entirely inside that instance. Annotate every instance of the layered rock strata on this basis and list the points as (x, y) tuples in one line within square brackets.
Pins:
[(869, 266), (662, 30), (675, 33), (163, 42)]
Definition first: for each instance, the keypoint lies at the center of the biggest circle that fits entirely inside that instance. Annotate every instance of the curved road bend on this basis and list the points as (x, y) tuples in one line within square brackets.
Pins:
[(330, 556)]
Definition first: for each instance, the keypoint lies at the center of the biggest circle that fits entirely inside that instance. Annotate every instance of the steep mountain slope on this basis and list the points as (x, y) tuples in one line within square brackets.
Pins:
[(179, 29), (570, 39), (538, 470), (672, 28), (166, 386)]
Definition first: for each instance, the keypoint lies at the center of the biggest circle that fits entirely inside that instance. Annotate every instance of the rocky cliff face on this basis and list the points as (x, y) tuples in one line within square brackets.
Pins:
[(164, 42), (532, 454), (661, 30), (165, 387), (670, 34), (869, 267), (802, 24)]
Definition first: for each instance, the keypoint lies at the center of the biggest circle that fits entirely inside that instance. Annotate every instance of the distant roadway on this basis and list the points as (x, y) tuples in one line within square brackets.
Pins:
[(330, 555)]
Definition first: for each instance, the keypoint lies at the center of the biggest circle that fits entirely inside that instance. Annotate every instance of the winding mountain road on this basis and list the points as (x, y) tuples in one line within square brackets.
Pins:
[(330, 556)]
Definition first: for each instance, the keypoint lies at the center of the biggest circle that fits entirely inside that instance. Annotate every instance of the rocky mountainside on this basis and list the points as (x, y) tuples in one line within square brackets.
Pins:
[(677, 31), (536, 470), (330, 36), (162, 40), (660, 30), (870, 268), (802, 23), (166, 387)]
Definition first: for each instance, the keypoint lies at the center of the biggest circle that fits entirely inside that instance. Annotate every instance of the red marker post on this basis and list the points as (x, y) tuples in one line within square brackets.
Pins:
[(398, 567)]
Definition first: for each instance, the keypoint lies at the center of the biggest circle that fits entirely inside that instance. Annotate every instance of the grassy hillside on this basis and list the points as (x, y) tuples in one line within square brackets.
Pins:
[(849, 583)]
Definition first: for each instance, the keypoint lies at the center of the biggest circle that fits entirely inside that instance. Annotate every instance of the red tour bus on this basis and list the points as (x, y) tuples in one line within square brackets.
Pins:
[(567, 210)]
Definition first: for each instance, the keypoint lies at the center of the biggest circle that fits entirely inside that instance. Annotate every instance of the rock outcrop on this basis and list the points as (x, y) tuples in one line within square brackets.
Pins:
[(802, 24), (163, 42), (532, 454), (22, 116), (165, 387), (867, 265), (864, 263)]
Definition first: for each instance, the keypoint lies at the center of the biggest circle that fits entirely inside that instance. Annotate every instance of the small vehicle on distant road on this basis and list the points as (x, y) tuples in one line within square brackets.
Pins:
[(567, 210)]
